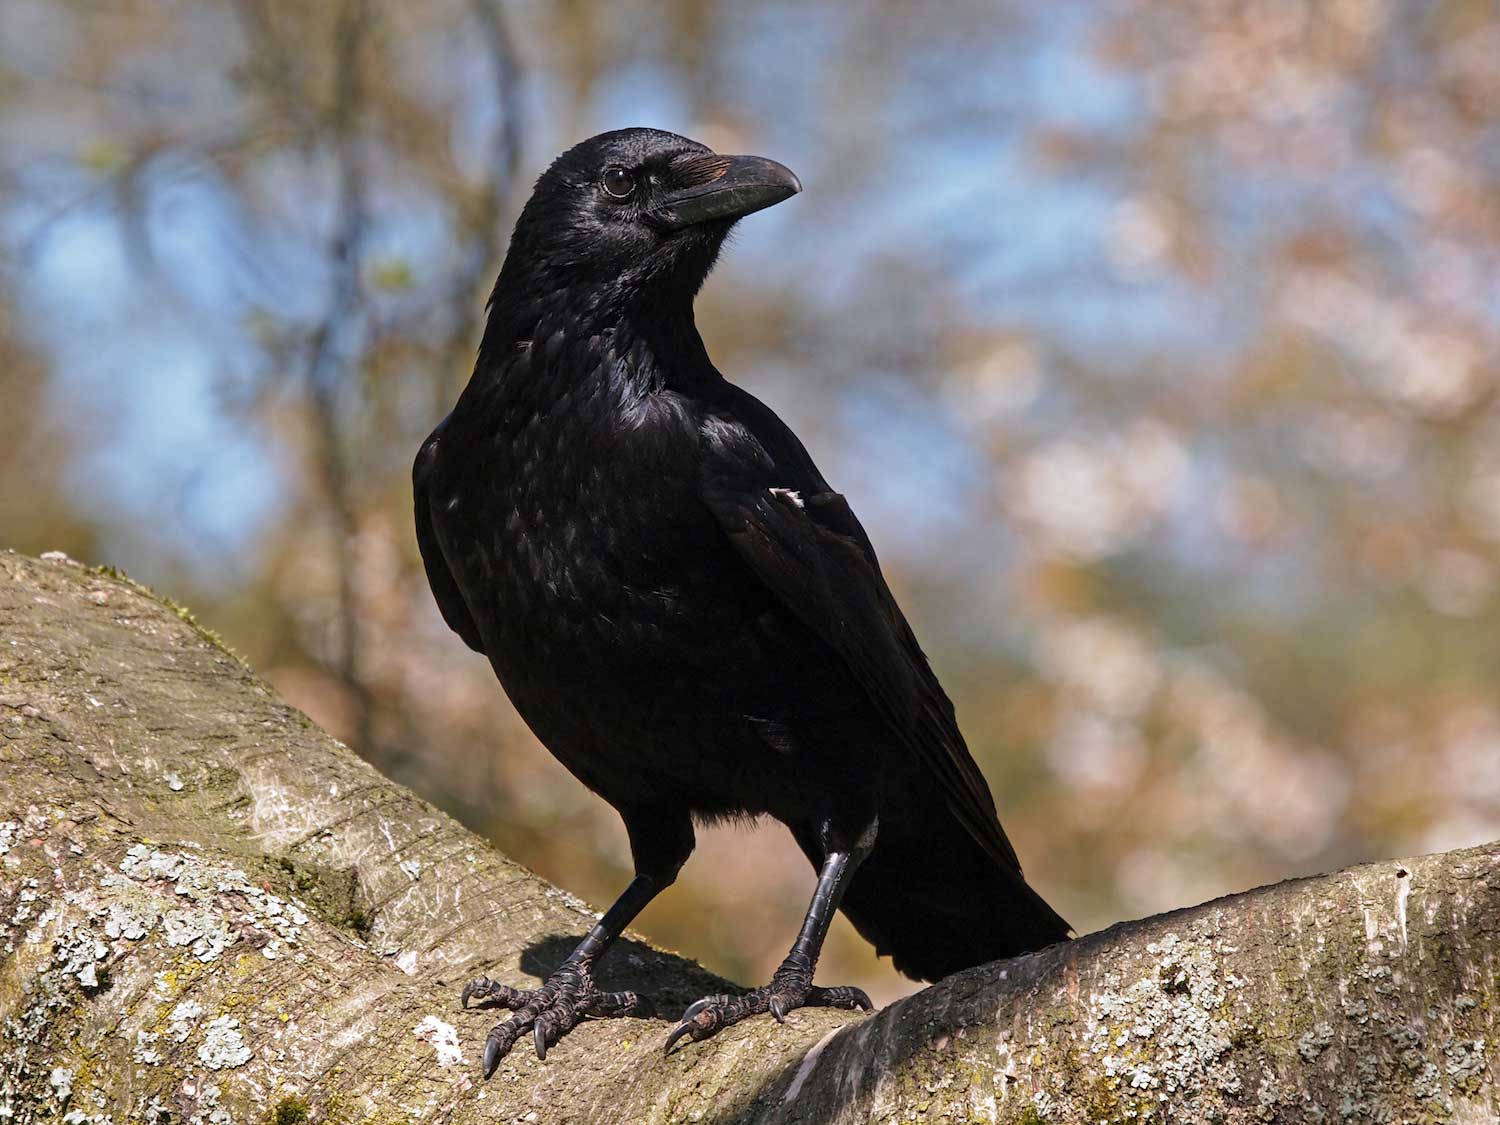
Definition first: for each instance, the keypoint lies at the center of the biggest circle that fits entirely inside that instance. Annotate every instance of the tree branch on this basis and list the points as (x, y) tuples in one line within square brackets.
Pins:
[(210, 907)]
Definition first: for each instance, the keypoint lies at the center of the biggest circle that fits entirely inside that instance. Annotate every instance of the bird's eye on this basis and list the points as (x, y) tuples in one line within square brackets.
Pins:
[(618, 181)]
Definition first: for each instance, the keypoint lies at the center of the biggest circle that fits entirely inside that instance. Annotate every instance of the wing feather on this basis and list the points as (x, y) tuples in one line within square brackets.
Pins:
[(804, 542)]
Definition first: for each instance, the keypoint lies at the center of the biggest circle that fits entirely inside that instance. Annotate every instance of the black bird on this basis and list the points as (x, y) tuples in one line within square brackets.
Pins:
[(683, 610)]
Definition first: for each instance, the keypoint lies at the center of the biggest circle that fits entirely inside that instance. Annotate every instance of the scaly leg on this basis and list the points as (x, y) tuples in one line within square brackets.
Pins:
[(791, 986)]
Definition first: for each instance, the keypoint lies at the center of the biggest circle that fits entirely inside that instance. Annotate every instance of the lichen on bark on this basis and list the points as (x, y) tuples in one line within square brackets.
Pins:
[(212, 912)]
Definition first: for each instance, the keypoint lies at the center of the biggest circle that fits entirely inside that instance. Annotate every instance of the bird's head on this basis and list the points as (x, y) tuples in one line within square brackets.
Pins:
[(639, 213)]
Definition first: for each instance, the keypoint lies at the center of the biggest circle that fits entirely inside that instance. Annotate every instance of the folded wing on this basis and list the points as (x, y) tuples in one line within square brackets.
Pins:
[(803, 541)]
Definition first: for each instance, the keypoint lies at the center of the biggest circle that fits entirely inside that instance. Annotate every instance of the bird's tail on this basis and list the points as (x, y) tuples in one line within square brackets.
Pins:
[(942, 903)]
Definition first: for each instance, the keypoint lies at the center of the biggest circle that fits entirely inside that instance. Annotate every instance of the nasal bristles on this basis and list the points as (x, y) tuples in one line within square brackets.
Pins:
[(698, 168)]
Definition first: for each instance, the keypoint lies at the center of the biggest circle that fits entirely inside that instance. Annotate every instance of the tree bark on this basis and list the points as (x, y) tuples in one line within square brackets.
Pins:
[(213, 912)]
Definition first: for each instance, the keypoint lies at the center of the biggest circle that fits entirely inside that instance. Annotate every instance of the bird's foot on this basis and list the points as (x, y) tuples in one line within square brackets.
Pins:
[(789, 990), (549, 1012)]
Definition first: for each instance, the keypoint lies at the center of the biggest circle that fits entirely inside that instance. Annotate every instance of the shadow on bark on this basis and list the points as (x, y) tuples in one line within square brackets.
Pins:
[(670, 983)]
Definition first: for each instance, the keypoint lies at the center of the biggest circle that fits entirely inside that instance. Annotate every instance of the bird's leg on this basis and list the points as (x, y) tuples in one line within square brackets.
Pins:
[(791, 985), (570, 994)]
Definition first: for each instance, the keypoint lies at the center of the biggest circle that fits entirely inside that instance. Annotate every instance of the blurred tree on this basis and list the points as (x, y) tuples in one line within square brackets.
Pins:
[(34, 446)]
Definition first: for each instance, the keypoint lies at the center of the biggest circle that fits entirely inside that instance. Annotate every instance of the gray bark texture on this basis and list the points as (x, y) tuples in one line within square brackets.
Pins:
[(212, 912)]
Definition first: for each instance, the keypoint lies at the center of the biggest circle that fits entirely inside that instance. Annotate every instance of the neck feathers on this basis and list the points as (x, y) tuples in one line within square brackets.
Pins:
[(553, 349)]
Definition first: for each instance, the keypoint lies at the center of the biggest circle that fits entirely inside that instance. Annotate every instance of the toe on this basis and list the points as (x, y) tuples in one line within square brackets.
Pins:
[(607, 1004), (483, 990), (500, 1040), (698, 1006), (707, 1017), (478, 988), (843, 996), (551, 1025)]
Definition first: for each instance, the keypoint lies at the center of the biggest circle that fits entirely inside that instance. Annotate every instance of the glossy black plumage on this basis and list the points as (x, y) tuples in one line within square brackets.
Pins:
[(685, 612)]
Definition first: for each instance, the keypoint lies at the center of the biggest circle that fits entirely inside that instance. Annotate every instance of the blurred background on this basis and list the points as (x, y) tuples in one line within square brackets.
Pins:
[(1155, 343)]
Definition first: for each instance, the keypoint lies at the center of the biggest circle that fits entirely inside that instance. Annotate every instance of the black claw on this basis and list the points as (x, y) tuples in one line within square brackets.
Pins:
[(778, 1009), (492, 1053), (472, 987), (684, 1028), (540, 1037)]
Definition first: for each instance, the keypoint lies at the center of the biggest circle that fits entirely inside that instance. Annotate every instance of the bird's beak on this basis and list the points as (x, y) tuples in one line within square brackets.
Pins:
[(740, 185)]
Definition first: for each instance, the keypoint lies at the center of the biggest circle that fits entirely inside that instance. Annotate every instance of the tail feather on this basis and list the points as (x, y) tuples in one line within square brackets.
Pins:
[(945, 905)]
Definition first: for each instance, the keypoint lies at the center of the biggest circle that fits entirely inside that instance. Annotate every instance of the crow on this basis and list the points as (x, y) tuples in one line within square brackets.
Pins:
[(683, 610)]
